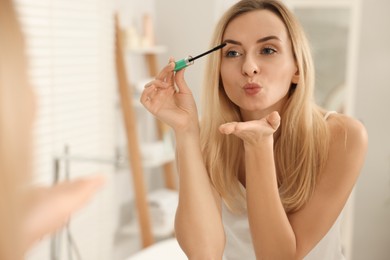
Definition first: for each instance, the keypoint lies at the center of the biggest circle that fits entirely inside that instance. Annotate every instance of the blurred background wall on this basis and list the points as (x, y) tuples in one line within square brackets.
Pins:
[(372, 204), (79, 107)]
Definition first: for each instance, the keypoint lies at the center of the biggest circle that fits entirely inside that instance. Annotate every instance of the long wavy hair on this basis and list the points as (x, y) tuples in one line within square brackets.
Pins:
[(302, 140), (15, 132)]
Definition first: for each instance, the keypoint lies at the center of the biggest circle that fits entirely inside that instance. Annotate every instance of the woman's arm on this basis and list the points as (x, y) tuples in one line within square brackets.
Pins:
[(275, 234), (198, 222), (272, 234)]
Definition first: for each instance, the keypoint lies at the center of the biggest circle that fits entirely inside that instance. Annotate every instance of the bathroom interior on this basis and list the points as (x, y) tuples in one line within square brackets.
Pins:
[(81, 128)]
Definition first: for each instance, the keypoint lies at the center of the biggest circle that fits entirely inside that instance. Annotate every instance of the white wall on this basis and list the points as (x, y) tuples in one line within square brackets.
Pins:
[(372, 204), (185, 27)]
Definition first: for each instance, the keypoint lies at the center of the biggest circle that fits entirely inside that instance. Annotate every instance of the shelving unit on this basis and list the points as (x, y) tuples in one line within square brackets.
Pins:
[(165, 160), (137, 163)]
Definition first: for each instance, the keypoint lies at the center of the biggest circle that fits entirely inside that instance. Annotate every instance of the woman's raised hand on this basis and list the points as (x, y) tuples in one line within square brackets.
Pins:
[(253, 132), (170, 100)]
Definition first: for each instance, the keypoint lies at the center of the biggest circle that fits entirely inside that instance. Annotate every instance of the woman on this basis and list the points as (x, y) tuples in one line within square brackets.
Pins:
[(267, 172), (27, 213)]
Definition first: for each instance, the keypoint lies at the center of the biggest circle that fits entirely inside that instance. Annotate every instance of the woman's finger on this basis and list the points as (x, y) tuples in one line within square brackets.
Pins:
[(274, 120), (165, 72), (170, 75), (228, 128), (148, 94), (156, 92), (157, 83)]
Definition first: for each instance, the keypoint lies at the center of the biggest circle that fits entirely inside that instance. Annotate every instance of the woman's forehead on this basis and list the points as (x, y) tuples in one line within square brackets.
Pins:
[(256, 24)]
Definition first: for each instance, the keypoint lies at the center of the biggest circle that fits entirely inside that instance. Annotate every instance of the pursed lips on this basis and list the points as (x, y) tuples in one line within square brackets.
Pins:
[(252, 88)]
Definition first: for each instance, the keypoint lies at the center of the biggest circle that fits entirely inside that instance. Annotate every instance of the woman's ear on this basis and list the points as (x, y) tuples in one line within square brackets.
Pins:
[(295, 77)]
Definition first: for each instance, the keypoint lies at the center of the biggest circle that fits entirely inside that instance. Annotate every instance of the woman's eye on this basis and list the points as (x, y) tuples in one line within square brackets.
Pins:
[(268, 51), (232, 54)]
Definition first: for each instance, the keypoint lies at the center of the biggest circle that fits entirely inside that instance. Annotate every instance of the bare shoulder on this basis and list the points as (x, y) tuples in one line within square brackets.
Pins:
[(348, 143), (347, 133)]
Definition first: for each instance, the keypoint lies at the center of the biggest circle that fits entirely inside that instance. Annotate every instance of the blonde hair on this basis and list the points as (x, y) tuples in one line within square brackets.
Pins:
[(15, 131), (301, 143)]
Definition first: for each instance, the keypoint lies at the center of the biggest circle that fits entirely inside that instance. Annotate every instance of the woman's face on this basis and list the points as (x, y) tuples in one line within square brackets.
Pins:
[(258, 65)]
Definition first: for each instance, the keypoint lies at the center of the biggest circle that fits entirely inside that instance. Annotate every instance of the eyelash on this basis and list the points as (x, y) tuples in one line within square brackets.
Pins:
[(229, 54), (268, 49), (264, 51)]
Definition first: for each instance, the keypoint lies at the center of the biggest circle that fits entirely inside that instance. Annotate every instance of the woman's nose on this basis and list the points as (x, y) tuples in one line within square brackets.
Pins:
[(250, 67)]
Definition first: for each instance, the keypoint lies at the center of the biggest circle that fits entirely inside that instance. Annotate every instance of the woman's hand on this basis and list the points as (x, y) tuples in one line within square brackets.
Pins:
[(49, 208), (170, 100), (253, 132)]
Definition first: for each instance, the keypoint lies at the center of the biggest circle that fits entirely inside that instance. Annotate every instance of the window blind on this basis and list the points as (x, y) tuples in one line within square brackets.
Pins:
[(70, 47)]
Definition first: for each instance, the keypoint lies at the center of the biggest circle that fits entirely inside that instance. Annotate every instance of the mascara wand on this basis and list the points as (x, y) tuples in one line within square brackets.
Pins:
[(181, 64)]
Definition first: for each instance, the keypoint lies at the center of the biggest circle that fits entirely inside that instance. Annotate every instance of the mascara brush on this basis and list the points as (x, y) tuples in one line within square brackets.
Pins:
[(181, 64)]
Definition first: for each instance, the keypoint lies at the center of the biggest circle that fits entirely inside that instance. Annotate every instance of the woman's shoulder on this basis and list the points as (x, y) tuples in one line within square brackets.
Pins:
[(344, 126), (346, 153), (348, 135)]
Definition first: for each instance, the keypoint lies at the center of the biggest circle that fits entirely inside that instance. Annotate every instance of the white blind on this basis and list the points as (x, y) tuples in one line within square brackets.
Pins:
[(70, 48)]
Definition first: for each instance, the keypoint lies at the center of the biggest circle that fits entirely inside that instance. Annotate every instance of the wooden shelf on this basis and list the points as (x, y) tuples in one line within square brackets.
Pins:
[(160, 155), (132, 229), (158, 161)]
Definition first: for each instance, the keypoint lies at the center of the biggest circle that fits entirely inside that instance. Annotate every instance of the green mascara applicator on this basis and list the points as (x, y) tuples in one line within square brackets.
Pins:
[(181, 64)]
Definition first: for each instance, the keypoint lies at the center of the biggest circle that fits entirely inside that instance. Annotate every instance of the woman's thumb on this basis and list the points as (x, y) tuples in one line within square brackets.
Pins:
[(274, 120)]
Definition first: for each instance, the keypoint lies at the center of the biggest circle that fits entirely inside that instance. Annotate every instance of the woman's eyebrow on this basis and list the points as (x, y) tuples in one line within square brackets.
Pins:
[(264, 39), (267, 38), (232, 42)]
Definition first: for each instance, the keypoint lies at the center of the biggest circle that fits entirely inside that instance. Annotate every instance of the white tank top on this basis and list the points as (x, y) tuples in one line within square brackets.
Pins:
[(239, 241)]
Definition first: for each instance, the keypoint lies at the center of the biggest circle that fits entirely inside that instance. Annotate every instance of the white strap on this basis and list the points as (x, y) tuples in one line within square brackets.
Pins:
[(328, 114)]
